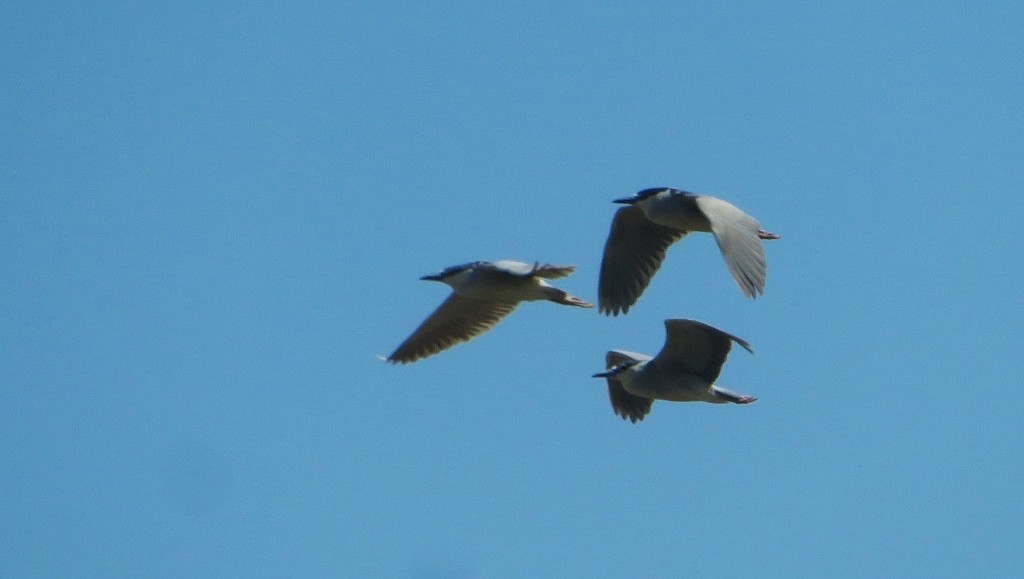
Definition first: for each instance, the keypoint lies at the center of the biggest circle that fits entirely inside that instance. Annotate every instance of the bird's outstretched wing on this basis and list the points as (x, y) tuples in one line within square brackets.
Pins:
[(458, 319), (696, 347), (633, 253)]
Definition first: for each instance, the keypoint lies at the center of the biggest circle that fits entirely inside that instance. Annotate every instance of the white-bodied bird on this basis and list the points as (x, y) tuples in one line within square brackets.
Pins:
[(483, 293), (656, 218), (684, 371)]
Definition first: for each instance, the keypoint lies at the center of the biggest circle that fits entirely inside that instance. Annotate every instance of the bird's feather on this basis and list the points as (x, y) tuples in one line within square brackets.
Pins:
[(695, 347), (633, 253), (458, 319), (736, 235)]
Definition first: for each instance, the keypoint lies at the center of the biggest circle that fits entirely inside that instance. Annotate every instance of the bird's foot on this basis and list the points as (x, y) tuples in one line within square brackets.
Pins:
[(767, 234), (745, 400), (575, 301)]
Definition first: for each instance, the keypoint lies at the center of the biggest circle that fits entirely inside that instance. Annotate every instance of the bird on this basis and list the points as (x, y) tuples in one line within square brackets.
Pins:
[(684, 371), (483, 292), (655, 219)]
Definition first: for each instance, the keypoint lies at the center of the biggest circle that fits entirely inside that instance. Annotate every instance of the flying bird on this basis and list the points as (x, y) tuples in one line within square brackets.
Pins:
[(483, 293), (655, 219), (684, 371)]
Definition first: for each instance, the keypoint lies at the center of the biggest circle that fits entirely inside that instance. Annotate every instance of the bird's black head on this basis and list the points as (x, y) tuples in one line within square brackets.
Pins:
[(449, 271), (641, 195)]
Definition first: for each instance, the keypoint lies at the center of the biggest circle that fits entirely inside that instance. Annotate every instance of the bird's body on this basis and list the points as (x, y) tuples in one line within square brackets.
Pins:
[(655, 219), (684, 371), (676, 210), (483, 293), (503, 280), (643, 380)]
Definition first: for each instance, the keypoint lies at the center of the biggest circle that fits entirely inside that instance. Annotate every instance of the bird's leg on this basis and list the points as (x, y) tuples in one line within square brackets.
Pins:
[(724, 395), (767, 234), (571, 300), (565, 298)]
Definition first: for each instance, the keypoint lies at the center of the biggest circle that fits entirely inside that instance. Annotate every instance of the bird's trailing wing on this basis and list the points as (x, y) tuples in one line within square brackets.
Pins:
[(737, 236), (520, 269), (628, 406)]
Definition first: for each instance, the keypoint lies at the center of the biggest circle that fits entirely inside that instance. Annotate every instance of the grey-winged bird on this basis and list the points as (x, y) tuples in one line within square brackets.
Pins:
[(684, 371), (483, 293), (656, 218)]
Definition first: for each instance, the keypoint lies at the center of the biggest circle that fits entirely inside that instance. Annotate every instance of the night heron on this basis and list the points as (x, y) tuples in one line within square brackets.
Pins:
[(654, 219), (483, 293), (684, 371)]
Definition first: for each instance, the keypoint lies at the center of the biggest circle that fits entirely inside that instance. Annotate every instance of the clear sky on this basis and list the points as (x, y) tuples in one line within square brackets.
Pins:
[(213, 218)]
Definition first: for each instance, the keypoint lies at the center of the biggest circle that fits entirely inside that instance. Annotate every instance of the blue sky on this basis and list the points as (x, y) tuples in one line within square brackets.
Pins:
[(214, 219)]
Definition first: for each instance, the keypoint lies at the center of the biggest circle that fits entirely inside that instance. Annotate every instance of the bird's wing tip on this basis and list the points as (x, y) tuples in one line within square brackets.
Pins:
[(613, 311)]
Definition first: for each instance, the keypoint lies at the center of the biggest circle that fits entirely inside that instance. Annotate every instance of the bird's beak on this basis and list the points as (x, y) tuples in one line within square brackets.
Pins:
[(626, 200), (434, 277), (605, 374)]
